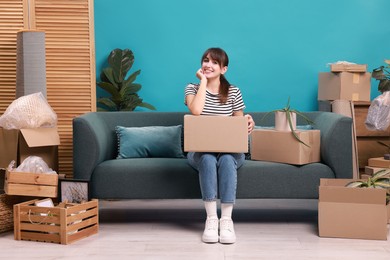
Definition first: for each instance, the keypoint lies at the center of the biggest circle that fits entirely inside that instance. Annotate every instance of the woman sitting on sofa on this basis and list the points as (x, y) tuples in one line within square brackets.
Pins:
[(217, 171)]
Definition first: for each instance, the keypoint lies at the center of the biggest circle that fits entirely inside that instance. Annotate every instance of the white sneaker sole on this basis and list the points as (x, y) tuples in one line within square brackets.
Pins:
[(210, 239), (229, 240)]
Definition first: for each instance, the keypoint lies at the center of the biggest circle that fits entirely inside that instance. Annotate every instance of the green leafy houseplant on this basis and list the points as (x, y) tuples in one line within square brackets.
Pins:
[(123, 91), (380, 180), (382, 74), (289, 111)]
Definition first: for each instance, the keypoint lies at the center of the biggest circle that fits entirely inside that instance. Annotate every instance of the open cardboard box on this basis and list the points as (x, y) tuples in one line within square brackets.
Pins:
[(216, 134), (345, 212), (18, 144), (281, 146)]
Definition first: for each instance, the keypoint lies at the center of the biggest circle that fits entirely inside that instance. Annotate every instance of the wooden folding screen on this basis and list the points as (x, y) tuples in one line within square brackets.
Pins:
[(70, 59)]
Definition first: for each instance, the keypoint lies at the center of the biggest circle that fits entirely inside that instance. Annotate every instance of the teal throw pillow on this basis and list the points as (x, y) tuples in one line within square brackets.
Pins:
[(149, 141)]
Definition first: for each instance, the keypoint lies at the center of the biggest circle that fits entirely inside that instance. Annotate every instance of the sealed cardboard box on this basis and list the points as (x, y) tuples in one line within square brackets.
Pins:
[(17, 145), (348, 67), (345, 212), (344, 85), (216, 134), (379, 162), (281, 146), (31, 184)]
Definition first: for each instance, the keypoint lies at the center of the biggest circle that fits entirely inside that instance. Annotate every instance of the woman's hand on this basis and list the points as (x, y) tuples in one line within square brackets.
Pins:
[(200, 75), (251, 123)]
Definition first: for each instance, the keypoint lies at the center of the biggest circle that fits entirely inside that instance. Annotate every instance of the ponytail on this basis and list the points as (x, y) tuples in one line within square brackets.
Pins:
[(224, 89)]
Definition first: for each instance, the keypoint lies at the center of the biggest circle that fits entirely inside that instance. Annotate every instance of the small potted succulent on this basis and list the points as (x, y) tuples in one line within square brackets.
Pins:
[(285, 120)]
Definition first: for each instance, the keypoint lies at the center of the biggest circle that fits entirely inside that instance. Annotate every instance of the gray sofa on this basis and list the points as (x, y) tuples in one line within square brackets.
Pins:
[(95, 150)]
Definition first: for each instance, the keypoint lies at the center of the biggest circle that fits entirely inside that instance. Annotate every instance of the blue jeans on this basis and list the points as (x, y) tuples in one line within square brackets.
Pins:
[(217, 172)]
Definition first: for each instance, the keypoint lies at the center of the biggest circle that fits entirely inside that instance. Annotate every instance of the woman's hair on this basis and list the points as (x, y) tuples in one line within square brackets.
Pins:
[(222, 58)]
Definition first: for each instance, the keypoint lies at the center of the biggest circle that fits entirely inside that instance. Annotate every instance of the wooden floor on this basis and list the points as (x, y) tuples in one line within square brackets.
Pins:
[(171, 229)]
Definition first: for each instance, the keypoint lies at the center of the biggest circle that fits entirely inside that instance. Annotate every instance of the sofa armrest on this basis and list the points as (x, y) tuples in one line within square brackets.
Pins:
[(336, 142), (90, 144)]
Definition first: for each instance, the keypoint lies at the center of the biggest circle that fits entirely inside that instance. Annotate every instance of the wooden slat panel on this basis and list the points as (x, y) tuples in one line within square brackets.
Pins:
[(70, 60)]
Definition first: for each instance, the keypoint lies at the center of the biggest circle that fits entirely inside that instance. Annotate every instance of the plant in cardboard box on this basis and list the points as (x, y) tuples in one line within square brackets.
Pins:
[(380, 180), (382, 74), (285, 120), (123, 91)]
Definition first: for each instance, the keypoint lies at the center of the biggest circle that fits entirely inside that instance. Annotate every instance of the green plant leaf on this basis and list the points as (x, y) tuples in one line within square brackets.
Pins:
[(381, 174), (131, 89), (131, 78), (109, 88), (384, 85), (121, 61), (378, 73), (109, 75), (147, 105), (384, 185), (108, 103), (355, 184)]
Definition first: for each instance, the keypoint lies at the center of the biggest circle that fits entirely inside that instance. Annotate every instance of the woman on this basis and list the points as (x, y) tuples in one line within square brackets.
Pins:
[(217, 171)]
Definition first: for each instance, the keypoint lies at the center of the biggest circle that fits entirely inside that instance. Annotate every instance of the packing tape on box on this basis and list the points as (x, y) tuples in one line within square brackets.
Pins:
[(356, 78), (355, 96)]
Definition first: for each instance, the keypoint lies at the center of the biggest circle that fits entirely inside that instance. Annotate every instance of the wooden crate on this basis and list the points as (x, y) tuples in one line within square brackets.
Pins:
[(31, 184), (63, 224)]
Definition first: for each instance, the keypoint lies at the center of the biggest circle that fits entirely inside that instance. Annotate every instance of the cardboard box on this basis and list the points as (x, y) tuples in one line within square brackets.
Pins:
[(388, 213), (348, 67), (216, 134), (62, 224), (31, 184), (372, 170), (17, 145), (379, 162), (344, 85), (281, 146), (351, 212)]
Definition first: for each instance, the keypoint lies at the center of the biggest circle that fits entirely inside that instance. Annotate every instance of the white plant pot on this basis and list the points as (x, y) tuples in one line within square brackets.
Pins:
[(281, 122)]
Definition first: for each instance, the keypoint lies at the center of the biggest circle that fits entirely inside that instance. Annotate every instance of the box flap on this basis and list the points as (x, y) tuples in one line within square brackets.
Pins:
[(41, 136), (341, 194)]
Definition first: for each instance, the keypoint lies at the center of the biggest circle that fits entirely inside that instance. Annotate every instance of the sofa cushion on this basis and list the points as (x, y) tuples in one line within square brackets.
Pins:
[(149, 141)]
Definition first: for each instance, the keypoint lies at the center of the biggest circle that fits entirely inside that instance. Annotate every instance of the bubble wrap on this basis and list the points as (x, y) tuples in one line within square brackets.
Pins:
[(378, 116), (30, 111)]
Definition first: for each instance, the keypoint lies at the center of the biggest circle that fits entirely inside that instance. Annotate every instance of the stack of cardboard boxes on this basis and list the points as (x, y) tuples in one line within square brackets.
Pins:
[(345, 212), (337, 92)]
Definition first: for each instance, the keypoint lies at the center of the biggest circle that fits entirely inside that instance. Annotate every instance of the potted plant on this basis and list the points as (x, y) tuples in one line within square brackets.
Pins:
[(123, 91), (380, 180), (285, 120), (382, 74)]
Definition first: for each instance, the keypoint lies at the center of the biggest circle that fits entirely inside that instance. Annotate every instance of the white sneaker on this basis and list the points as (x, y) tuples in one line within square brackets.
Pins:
[(210, 233), (226, 231)]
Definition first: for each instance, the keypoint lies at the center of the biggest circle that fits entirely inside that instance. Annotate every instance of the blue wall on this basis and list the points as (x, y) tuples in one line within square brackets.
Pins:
[(276, 48)]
